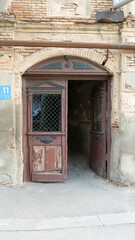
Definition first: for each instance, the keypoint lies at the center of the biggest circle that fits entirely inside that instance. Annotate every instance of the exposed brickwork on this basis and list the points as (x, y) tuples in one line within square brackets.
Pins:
[(36, 10), (27, 9), (6, 59), (6, 53), (6, 31), (100, 5)]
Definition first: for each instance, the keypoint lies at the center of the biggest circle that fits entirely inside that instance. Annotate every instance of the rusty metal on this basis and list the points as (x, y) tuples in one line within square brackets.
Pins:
[(66, 44), (107, 57), (110, 16)]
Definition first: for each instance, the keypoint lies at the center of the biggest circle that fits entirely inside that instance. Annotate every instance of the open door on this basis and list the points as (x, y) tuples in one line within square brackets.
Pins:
[(99, 130), (45, 117), (47, 136)]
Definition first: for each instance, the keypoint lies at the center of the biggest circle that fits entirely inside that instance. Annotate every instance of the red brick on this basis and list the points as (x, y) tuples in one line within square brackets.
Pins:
[(36, 10)]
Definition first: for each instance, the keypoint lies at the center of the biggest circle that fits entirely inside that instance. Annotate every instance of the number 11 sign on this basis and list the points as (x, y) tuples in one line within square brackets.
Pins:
[(5, 92)]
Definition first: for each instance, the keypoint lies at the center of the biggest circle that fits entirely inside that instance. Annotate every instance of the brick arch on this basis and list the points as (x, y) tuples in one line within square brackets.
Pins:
[(46, 53)]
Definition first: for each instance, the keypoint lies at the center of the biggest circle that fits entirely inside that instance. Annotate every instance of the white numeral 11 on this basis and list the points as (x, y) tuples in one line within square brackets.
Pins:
[(4, 89)]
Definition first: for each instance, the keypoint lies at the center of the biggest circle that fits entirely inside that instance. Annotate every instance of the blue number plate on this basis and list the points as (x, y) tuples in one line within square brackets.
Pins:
[(5, 92)]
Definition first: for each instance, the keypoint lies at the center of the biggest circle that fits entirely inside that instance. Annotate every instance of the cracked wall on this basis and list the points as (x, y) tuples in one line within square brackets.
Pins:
[(7, 135)]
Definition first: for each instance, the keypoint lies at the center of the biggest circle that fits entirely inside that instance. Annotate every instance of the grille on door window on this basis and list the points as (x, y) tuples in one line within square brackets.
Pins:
[(46, 112)]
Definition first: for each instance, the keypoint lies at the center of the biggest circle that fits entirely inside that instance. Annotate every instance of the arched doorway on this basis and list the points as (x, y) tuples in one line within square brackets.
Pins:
[(45, 112)]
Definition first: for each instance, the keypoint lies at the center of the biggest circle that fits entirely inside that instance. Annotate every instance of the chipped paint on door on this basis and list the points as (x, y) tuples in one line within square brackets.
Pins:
[(99, 132), (47, 131), (46, 158), (52, 157), (38, 158), (59, 157)]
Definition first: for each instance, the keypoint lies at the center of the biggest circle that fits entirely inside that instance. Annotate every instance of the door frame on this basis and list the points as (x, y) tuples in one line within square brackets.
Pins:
[(63, 75)]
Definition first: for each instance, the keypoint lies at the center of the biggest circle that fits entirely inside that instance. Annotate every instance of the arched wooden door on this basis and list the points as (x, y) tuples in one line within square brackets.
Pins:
[(45, 103)]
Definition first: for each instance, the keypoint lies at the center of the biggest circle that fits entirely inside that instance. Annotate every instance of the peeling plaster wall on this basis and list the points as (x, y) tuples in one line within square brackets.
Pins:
[(123, 134), (15, 61), (123, 151), (7, 135), (129, 9), (4, 5)]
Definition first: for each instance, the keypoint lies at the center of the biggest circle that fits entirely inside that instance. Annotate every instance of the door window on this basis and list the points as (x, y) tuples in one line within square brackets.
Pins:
[(46, 113)]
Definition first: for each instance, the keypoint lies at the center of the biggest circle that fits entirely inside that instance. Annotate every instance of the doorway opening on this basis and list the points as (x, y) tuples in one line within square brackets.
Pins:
[(88, 127), (45, 101)]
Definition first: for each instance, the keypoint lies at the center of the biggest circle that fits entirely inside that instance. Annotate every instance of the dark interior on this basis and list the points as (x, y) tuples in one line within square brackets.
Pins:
[(79, 118)]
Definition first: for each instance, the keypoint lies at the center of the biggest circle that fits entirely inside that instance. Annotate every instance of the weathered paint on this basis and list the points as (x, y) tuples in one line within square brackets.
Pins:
[(46, 155), (53, 157), (100, 133), (38, 161), (46, 158), (58, 157)]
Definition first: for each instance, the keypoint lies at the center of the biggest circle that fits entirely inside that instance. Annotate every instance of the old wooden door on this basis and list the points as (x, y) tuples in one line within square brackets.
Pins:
[(99, 130), (47, 137)]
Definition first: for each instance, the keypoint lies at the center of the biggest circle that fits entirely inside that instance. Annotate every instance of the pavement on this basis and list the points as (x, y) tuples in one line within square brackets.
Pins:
[(84, 207), (120, 232)]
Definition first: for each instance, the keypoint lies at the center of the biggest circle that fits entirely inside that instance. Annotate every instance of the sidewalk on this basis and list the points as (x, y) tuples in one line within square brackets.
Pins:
[(17, 224), (120, 232), (85, 203)]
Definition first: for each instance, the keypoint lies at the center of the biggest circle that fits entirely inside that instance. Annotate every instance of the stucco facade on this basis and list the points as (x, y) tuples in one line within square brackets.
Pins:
[(19, 23)]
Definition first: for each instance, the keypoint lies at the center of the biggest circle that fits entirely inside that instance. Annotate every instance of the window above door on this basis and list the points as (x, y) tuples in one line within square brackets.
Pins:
[(66, 64)]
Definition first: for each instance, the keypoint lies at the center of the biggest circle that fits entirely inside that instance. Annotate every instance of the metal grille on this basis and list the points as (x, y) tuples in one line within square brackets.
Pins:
[(46, 112)]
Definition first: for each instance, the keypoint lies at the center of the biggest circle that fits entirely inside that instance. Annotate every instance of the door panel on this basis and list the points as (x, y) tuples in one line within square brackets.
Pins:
[(98, 132), (97, 153), (47, 158), (47, 132)]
